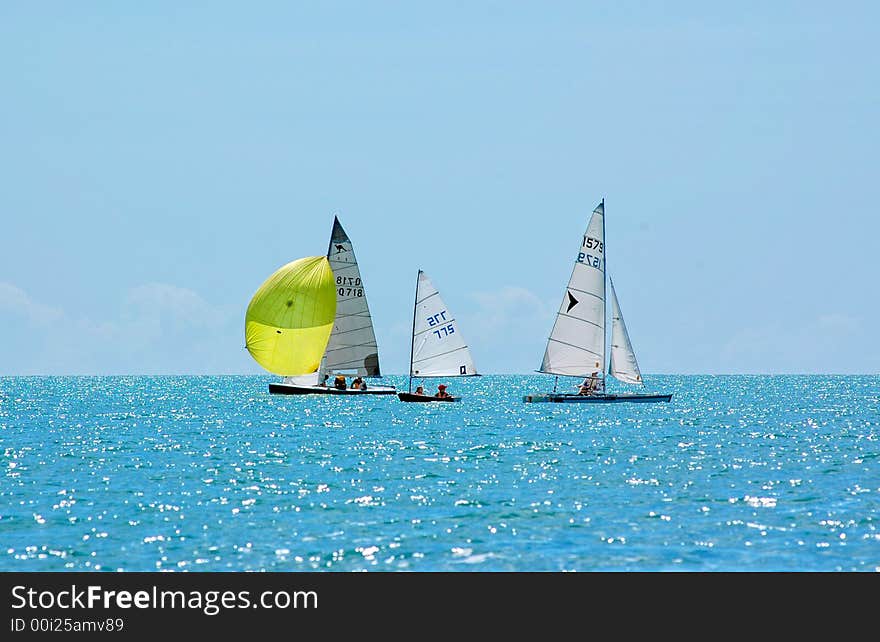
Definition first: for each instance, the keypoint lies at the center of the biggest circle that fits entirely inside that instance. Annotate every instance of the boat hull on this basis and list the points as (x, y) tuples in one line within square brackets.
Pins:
[(408, 396), (293, 389), (601, 398)]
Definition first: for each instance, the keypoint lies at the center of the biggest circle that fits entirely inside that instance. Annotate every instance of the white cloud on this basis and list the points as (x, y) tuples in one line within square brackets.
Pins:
[(507, 323), (159, 328), (816, 346), (839, 323), (16, 301), (183, 306), (509, 306)]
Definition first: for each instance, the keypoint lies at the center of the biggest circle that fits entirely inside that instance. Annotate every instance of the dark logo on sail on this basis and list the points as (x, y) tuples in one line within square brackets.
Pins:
[(340, 248), (571, 302), (462, 370)]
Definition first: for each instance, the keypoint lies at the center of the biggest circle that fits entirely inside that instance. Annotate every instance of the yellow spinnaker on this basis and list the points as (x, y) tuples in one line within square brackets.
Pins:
[(290, 317)]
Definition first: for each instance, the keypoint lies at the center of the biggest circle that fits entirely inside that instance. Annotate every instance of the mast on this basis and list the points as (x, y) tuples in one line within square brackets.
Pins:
[(605, 303), (413, 335)]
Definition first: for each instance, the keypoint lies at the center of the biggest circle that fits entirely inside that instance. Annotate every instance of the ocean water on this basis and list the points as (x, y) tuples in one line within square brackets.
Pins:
[(737, 473)]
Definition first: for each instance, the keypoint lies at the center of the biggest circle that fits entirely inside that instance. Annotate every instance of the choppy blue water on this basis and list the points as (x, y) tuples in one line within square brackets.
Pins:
[(214, 474)]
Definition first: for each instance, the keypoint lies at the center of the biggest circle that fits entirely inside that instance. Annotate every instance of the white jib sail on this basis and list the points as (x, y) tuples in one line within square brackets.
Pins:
[(623, 366), (576, 346), (352, 346), (438, 349)]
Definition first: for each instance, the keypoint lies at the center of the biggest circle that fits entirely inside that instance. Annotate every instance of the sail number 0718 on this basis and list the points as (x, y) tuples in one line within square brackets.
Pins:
[(349, 286)]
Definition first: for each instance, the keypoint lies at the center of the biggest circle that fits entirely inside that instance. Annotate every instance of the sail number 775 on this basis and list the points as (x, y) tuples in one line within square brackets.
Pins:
[(438, 320)]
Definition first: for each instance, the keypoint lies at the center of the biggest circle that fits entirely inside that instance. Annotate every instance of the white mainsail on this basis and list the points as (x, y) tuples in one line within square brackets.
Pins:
[(352, 346), (623, 366), (576, 346), (438, 348)]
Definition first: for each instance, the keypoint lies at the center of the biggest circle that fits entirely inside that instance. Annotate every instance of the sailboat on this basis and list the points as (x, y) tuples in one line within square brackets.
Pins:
[(438, 348), (351, 349), (290, 317), (577, 343)]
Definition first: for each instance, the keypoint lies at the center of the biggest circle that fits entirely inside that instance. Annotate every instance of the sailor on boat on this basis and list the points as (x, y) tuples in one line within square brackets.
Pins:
[(591, 385), (441, 391)]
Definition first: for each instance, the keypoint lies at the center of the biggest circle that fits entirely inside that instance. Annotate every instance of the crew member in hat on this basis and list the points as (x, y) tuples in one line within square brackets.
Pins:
[(441, 391)]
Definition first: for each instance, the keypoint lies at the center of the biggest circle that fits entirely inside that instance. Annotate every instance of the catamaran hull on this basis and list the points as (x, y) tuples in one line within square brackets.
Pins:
[(408, 396), (567, 398), (293, 389)]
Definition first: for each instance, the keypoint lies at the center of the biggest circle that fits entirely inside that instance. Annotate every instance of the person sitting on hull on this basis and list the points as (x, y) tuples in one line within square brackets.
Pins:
[(441, 392), (591, 385), (419, 390), (339, 382)]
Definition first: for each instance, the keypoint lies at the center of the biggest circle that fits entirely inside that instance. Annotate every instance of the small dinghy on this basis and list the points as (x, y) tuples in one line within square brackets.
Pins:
[(411, 396), (437, 349)]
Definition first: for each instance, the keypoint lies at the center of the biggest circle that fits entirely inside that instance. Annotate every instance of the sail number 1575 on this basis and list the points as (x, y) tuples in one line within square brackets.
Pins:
[(588, 259), (593, 244)]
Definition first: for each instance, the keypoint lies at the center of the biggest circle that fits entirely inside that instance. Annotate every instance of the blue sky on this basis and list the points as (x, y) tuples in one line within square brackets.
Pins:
[(159, 161)]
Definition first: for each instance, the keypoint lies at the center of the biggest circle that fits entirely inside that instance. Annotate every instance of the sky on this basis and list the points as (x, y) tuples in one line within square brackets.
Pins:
[(159, 160)]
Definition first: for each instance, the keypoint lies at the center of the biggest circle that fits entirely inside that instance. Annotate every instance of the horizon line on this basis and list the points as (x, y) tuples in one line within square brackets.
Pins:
[(405, 375)]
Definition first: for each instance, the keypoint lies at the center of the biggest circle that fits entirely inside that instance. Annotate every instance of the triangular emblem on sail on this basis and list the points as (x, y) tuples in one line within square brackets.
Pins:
[(623, 365), (576, 345), (352, 346), (438, 348)]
